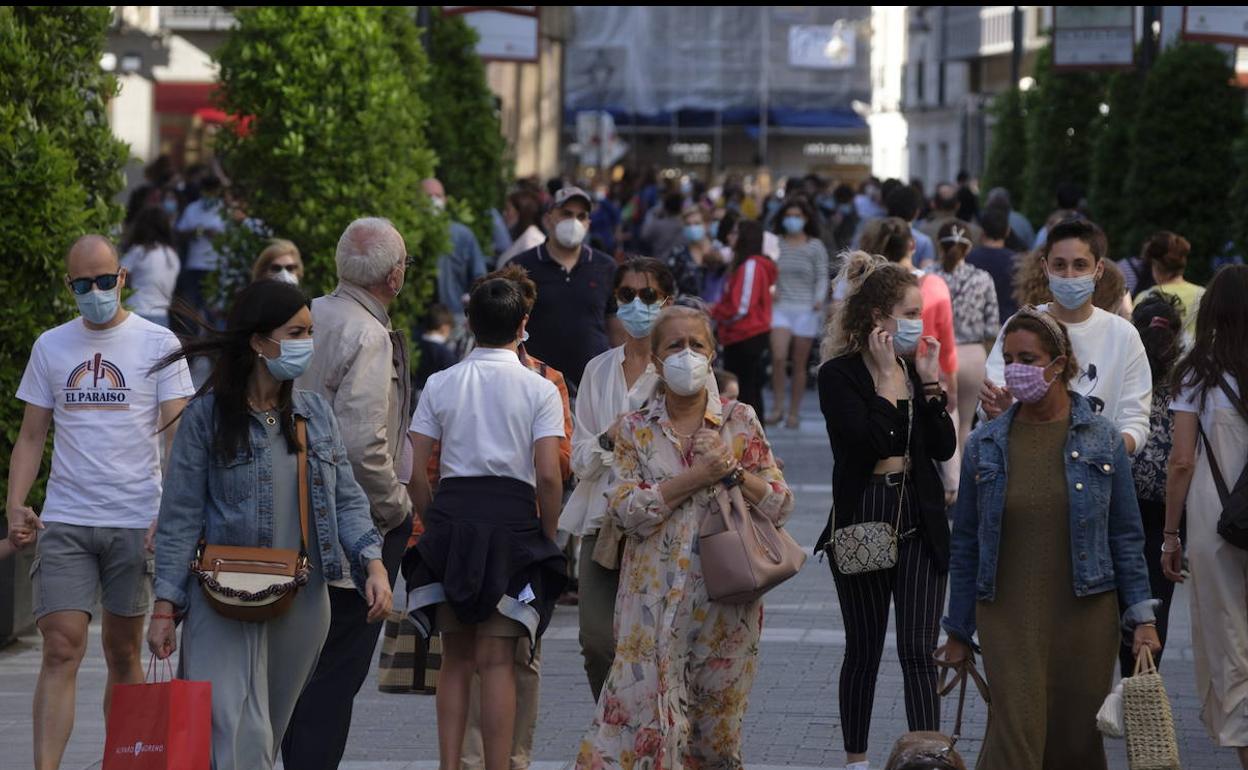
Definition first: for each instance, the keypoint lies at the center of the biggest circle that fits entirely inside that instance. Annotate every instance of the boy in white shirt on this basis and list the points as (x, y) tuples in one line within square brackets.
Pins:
[(1115, 375)]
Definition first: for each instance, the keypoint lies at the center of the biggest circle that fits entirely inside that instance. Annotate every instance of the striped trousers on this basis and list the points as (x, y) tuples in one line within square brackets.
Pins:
[(916, 588)]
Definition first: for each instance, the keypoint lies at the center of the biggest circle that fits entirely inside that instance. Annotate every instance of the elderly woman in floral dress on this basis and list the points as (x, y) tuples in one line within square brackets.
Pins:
[(684, 665)]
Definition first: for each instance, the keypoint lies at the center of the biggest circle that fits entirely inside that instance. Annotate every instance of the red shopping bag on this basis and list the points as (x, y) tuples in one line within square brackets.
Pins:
[(160, 725)]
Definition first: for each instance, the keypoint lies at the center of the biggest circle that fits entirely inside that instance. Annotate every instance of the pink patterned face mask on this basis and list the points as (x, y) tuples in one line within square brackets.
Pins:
[(1026, 382)]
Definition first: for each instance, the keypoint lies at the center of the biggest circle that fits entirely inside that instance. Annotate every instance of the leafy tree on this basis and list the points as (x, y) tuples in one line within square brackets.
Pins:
[(1190, 115), (1111, 155), (1008, 152), (464, 129), (336, 131), (1061, 111), (60, 169)]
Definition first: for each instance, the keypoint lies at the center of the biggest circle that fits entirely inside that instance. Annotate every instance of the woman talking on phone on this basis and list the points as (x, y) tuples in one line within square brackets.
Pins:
[(885, 412)]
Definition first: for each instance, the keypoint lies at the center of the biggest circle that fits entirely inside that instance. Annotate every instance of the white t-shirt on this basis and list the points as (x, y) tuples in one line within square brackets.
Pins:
[(152, 273), (203, 214), (1188, 400), (488, 411), (106, 412), (1113, 367)]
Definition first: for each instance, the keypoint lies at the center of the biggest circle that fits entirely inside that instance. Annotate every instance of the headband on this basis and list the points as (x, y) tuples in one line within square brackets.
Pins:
[(958, 235), (1047, 321)]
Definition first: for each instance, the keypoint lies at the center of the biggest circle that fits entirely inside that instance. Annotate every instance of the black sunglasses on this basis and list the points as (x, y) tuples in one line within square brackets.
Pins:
[(626, 294), (275, 269), (106, 282)]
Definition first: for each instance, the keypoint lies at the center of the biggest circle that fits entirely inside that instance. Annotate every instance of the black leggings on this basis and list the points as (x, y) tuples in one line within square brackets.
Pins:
[(917, 588), (1153, 512), (745, 359)]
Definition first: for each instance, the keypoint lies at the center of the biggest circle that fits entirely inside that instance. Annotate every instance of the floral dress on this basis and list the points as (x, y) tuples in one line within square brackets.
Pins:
[(677, 692)]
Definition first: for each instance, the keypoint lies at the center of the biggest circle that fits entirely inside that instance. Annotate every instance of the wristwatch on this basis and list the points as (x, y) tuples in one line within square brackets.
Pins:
[(735, 478), (605, 442)]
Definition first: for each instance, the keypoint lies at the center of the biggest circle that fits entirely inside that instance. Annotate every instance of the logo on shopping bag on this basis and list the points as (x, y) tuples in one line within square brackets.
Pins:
[(140, 748)]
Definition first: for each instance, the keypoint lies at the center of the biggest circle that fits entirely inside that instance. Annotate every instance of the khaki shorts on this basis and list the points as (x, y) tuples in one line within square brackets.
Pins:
[(76, 567), (495, 625)]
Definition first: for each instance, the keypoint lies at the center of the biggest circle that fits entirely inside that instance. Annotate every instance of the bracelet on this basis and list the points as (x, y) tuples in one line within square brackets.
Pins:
[(1174, 532), (1178, 549), (162, 616), (930, 384)]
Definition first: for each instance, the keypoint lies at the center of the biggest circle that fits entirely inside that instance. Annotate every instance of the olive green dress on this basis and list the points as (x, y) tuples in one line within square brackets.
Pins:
[(1048, 655)]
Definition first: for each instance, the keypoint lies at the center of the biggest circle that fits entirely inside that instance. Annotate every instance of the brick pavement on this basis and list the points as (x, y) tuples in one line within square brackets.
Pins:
[(792, 720)]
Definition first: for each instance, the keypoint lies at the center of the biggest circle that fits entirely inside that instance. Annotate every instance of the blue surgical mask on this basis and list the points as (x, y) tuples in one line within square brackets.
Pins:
[(794, 225), (909, 330), (638, 317), (293, 361), (171, 206), (1072, 293), (98, 307), (695, 233)]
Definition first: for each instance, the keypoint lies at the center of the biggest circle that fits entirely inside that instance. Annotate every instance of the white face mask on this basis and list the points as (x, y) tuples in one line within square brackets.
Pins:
[(286, 276), (570, 233), (686, 372)]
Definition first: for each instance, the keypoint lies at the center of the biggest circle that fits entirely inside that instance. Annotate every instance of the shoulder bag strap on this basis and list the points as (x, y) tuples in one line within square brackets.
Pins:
[(301, 434), (1218, 480), (1233, 398)]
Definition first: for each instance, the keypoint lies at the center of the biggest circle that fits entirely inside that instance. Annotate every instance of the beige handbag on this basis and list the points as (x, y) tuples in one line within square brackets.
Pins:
[(1151, 742), (744, 554), (257, 584)]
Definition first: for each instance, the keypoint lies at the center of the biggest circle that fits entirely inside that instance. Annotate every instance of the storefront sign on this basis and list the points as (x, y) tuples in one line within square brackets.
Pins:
[(1216, 23), (690, 152), (842, 153)]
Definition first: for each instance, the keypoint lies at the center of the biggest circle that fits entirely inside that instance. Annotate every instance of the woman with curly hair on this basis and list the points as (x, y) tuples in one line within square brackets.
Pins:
[(886, 418)]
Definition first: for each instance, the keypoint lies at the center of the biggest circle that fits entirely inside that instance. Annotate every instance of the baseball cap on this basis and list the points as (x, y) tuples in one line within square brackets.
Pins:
[(568, 193)]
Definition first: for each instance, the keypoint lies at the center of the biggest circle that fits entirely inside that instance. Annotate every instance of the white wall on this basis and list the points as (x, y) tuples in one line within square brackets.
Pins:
[(889, 155), (130, 115)]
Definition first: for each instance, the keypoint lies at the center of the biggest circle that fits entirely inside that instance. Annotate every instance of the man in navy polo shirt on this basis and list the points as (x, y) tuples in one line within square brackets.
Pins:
[(574, 318)]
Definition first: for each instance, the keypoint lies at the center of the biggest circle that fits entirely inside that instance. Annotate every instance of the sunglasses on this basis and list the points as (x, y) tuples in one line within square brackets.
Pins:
[(106, 282), (626, 294), (275, 269), (409, 261)]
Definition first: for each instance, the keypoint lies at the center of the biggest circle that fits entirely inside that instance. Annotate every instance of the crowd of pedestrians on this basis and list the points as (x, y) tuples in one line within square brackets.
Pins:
[(566, 434)]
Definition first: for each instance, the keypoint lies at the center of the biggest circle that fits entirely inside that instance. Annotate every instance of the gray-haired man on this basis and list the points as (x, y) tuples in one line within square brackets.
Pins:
[(361, 367)]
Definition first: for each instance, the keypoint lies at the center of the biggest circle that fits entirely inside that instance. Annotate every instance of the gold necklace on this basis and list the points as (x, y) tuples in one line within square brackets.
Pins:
[(269, 419)]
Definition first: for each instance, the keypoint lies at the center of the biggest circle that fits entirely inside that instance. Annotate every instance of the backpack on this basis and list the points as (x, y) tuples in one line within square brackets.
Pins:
[(1233, 523)]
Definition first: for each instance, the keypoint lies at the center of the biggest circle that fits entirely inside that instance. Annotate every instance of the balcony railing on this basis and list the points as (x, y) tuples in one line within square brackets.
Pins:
[(988, 30), (195, 18)]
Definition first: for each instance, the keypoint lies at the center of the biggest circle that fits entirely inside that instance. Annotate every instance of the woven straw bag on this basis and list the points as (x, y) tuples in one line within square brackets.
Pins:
[(1151, 743)]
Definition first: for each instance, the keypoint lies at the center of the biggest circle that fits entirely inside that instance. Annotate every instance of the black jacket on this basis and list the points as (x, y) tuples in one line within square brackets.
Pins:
[(865, 428)]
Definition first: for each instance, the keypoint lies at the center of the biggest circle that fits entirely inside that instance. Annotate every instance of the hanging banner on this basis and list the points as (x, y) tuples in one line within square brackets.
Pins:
[(1093, 37), (1216, 23)]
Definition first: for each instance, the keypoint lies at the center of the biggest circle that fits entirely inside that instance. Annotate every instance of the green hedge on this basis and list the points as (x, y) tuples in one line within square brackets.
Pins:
[(1006, 157), (463, 125), (1111, 155), (1189, 116), (60, 169), (338, 132)]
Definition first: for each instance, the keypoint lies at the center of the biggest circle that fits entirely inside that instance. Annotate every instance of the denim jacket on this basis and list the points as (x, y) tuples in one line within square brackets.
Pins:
[(231, 502), (1106, 533)]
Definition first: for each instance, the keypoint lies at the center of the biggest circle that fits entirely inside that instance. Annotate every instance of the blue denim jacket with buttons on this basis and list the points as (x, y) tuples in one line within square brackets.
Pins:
[(230, 502), (1106, 533)]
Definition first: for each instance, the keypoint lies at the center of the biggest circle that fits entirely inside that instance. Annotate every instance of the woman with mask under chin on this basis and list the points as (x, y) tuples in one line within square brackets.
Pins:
[(1114, 374), (616, 383), (233, 479), (886, 416), (1039, 568), (677, 692)]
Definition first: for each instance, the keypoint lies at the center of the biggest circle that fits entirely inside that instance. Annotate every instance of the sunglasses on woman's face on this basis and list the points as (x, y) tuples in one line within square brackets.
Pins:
[(106, 282), (626, 294), (275, 269)]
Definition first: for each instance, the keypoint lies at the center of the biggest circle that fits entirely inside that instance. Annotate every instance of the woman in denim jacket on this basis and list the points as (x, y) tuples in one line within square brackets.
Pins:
[(232, 479), (1037, 567)]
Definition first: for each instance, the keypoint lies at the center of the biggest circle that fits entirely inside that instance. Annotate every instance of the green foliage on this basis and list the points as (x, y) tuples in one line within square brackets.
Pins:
[(1239, 196), (1061, 111), (1189, 117), (1111, 155), (463, 124), (60, 168), (1009, 144), (338, 133)]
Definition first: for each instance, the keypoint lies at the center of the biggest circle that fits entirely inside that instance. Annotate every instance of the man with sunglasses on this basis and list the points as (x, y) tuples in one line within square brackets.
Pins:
[(361, 367), (574, 318), (93, 378)]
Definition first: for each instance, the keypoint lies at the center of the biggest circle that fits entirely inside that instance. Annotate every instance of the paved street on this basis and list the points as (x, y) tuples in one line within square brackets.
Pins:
[(792, 720)]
